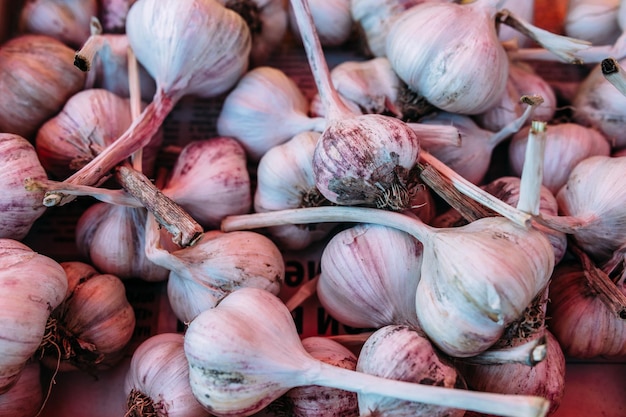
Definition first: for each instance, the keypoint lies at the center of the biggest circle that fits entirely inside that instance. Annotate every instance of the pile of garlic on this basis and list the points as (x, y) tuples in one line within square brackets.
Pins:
[(467, 207)]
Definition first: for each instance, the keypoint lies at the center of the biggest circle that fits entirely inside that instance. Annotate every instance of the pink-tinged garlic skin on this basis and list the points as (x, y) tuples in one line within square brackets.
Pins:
[(332, 20), (317, 401), (90, 120), (210, 180), (31, 286), (545, 379), (19, 207), (566, 145), (113, 15), (159, 370), (361, 160), (361, 285), (402, 353), (449, 70), (38, 76), (580, 320), (111, 238), (25, 398), (65, 20), (595, 194), (96, 321)]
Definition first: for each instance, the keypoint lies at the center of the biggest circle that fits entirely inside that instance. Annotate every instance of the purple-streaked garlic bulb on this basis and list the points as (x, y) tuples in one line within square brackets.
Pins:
[(403, 353), (65, 20), (566, 145), (20, 207), (90, 120), (111, 238), (266, 108), (359, 288), (37, 79), (210, 180)]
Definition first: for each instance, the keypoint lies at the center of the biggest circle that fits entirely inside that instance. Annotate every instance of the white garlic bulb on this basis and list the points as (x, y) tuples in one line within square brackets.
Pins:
[(449, 69), (592, 20), (332, 20), (266, 108)]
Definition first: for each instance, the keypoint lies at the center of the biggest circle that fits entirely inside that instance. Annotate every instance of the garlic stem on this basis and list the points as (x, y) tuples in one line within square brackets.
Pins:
[(303, 293), (436, 134), (564, 47), (489, 403), (515, 125), (184, 229), (614, 73), (331, 100), (529, 353), (532, 172), (467, 188), (601, 284), (118, 197), (85, 56)]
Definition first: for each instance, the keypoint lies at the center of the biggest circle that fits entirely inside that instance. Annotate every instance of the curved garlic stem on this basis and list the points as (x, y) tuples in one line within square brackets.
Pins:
[(85, 56), (476, 193), (303, 293), (184, 229), (617, 260), (436, 134), (529, 353), (564, 224), (532, 172), (614, 73), (331, 100), (564, 47), (514, 126), (118, 197), (482, 402)]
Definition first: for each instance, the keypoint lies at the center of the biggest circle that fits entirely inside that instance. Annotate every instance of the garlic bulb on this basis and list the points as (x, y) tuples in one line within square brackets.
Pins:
[(361, 285), (266, 108), (31, 285), (65, 20), (216, 265), (373, 19), (268, 23), (448, 70), (332, 19), (566, 145), (93, 325), (316, 401), (592, 20), (523, 9), (27, 104), (25, 398), (90, 120), (403, 353), (157, 382), (20, 207), (210, 180), (256, 356), (113, 15), (111, 238), (597, 103), (285, 180)]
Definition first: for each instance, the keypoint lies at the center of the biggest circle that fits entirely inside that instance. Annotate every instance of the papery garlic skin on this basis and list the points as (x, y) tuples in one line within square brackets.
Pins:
[(32, 285), (594, 193), (210, 180), (38, 77), (19, 207), (285, 180), (449, 69), (65, 20), (111, 238), (159, 371), (266, 108), (566, 145), (579, 318), (402, 353), (523, 9), (316, 401), (482, 294), (361, 285), (25, 398), (113, 15), (95, 322), (332, 20), (90, 120), (592, 20)]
